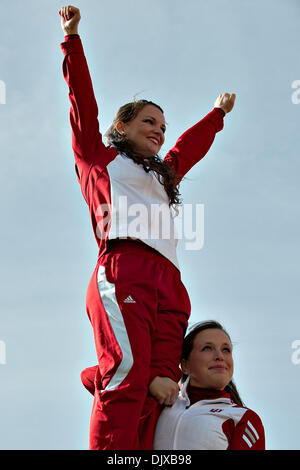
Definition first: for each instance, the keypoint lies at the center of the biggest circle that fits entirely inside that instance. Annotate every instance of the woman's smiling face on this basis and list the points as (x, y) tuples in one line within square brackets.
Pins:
[(146, 131), (210, 363)]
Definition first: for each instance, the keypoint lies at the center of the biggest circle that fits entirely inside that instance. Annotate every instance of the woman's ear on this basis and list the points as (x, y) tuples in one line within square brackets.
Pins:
[(120, 127), (184, 364)]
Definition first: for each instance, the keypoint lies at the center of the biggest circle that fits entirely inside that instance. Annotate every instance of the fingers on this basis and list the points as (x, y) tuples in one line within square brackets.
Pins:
[(227, 96), (164, 389), (70, 17), (67, 12), (169, 401), (225, 101), (171, 396)]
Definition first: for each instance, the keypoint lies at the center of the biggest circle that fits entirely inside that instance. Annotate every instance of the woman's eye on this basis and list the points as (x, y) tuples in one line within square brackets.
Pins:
[(206, 347), (151, 122)]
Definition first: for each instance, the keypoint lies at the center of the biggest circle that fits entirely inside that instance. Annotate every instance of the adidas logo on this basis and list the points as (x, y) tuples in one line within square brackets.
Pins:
[(129, 300), (252, 435)]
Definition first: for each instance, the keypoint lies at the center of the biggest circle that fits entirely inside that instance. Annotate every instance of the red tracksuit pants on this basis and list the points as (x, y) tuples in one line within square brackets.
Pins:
[(139, 311)]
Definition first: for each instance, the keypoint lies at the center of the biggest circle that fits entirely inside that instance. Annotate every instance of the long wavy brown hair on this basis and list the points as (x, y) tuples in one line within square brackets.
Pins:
[(188, 344), (165, 174)]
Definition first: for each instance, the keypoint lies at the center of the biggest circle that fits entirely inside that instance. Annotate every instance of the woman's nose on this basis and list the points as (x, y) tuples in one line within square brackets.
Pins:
[(161, 134), (219, 355)]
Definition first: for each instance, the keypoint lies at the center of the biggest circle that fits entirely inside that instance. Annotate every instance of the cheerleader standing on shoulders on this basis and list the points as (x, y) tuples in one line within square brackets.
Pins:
[(136, 301)]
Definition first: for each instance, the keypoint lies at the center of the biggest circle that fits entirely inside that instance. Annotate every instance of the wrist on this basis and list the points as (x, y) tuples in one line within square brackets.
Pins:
[(221, 110), (70, 31)]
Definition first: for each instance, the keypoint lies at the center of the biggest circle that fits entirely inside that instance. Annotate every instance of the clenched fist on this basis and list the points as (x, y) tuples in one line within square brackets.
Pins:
[(70, 17), (164, 389), (225, 102)]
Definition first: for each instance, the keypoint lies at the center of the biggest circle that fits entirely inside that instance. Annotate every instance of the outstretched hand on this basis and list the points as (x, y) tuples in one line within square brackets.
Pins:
[(70, 17), (225, 101), (164, 389)]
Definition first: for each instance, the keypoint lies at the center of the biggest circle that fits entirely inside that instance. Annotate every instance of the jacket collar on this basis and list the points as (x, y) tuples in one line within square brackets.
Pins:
[(203, 394)]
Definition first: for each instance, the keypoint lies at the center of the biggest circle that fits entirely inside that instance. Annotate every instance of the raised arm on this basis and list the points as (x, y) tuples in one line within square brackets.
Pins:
[(194, 144), (86, 138)]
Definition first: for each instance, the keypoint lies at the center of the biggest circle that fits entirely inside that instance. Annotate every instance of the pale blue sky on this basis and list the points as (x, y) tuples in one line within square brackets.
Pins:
[(180, 55)]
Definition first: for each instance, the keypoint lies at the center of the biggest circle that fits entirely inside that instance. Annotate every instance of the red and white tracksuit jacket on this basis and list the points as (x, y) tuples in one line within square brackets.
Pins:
[(135, 300), (213, 422)]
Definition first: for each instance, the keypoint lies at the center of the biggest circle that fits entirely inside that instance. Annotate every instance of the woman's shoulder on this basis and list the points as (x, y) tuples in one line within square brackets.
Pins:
[(244, 415), (248, 432)]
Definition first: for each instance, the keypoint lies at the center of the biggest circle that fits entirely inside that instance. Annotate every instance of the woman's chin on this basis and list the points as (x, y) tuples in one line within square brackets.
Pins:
[(147, 151)]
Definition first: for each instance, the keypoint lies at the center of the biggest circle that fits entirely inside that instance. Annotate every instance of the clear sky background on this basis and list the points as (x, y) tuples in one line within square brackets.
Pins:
[(180, 55)]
